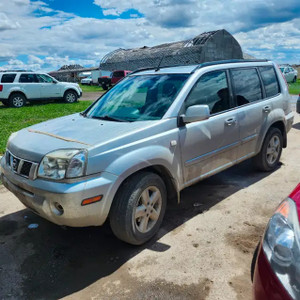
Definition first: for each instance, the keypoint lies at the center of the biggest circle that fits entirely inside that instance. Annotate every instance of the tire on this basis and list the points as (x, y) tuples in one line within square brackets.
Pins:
[(253, 262), (294, 79), (70, 97), (17, 100), (268, 157), (104, 86), (132, 217), (5, 102)]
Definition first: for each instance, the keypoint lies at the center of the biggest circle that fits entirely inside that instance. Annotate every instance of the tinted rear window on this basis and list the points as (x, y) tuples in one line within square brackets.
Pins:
[(8, 78), (28, 78), (118, 74), (246, 85), (270, 81)]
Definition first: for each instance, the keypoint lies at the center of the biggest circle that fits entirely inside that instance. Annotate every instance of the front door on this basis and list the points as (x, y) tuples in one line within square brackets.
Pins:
[(49, 87), (210, 146)]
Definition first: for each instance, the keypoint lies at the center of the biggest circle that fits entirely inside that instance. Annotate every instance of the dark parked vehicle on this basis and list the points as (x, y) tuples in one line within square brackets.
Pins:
[(276, 261), (116, 76), (298, 105)]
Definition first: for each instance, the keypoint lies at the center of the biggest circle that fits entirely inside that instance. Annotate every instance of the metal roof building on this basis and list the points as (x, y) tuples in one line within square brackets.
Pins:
[(208, 46)]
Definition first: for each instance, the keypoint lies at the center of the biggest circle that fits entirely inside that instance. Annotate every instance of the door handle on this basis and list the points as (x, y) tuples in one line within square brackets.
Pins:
[(230, 121), (267, 109)]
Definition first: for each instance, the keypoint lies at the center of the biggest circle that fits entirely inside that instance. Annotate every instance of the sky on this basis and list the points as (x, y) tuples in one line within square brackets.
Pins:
[(44, 35)]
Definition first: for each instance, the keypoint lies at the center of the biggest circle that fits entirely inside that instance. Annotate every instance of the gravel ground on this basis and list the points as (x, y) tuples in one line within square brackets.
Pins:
[(203, 250), (91, 96)]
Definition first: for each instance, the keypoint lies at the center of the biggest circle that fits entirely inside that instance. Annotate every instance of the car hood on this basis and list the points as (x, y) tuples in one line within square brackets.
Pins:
[(76, 131)]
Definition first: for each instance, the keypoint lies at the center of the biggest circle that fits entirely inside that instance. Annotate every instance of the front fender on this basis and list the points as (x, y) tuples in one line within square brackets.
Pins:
[(142, 158)]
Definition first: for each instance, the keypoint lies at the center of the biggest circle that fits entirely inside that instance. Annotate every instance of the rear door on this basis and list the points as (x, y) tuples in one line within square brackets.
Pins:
[(29, 83), (254, 92), (211, 145)]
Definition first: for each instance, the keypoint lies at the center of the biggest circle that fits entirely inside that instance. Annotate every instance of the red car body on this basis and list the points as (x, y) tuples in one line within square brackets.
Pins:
[(118, 75), (266, 284)]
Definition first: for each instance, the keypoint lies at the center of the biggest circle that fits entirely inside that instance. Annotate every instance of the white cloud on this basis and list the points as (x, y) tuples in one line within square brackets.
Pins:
[(52, 38)]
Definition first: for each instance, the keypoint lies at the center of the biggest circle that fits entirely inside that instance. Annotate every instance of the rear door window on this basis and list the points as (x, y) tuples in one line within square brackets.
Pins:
[(28, 78), (246, 85), (270, 81), (8, 78)]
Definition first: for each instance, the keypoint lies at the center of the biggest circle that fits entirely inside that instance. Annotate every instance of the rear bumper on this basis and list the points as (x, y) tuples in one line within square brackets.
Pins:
[(43, 196), (266, 285), (289, 121)]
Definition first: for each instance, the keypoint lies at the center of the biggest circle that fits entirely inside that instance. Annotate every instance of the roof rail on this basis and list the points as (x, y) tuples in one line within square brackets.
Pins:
[(15, 71), (205, 64), (228, 61)]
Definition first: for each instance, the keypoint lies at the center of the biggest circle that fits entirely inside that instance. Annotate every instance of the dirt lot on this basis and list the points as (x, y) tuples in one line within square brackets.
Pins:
[(203, 250)]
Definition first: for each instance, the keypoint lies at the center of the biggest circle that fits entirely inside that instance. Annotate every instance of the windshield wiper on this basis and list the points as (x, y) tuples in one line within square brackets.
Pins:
[(108, 118)]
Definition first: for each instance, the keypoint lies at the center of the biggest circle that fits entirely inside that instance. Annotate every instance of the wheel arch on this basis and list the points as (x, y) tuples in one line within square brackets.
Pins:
[(281, 126), (173, 194), (71, 90), (17, 92), (276, 124)]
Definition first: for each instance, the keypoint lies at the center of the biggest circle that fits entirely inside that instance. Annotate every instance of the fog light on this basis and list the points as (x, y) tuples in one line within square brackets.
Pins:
[(57, 208)]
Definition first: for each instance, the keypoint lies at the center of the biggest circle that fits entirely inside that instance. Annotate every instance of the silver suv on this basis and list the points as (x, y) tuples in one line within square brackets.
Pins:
[(155, 133), (18, 87)]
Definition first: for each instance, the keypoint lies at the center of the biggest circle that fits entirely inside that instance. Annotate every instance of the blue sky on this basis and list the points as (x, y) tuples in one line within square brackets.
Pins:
[(46, 34)]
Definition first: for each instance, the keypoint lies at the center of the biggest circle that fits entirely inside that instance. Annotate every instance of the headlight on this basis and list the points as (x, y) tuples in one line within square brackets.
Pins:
[(63, 164), (282, 248)]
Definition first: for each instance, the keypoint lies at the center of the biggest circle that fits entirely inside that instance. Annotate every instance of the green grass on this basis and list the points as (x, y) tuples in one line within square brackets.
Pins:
[(14, 119), (294, 88), (91, 88)]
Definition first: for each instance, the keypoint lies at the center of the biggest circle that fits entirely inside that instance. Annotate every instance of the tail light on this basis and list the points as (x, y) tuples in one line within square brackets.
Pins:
[(282, 248), (1, 87)]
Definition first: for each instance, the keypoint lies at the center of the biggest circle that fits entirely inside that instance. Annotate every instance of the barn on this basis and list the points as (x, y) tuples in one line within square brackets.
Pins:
[(207, 46)]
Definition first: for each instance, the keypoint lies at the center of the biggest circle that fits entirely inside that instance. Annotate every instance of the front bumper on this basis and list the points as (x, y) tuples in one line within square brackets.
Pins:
[(266, 285), (42, 197)]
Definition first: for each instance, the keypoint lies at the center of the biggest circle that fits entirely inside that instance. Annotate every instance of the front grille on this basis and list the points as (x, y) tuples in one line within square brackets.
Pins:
[(20, 166), (25, 170)]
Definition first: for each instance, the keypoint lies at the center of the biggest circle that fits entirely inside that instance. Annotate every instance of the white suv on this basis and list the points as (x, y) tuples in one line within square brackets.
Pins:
[(18, 87), (289, 73)]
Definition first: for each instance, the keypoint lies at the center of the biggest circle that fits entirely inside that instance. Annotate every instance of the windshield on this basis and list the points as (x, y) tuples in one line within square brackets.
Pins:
[(282, 69), (137, 98)]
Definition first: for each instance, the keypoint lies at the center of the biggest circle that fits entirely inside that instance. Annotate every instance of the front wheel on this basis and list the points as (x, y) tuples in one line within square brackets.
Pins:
[(70, 97), (295, 79), (268, 157), (138, 208)]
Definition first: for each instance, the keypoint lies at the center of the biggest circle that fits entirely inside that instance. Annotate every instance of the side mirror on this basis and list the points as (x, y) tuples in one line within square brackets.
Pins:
[(196, 113)]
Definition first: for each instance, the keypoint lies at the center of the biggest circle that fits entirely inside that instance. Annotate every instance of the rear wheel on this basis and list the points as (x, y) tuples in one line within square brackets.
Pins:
[(295, 79), (70, 97), (138, 208), (268, 157), (17, 100)]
